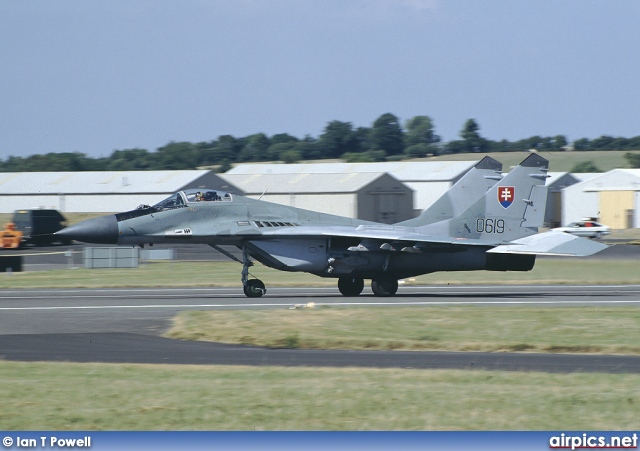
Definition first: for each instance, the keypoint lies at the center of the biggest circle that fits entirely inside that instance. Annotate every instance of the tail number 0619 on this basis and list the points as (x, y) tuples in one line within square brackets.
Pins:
[(488, 225)]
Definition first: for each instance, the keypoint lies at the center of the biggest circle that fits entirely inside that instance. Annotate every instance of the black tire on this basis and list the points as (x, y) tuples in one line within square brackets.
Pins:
[(384, 286), (350, 286), (254, 288)]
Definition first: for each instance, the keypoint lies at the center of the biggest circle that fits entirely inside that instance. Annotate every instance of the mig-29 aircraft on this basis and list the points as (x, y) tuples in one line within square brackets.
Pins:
[(484, 222)]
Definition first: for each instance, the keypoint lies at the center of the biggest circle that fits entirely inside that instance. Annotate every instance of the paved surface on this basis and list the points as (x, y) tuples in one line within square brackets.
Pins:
[(123, 325)]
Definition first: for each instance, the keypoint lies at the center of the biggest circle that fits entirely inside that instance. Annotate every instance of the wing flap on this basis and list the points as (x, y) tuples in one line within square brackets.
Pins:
[(551, 243)]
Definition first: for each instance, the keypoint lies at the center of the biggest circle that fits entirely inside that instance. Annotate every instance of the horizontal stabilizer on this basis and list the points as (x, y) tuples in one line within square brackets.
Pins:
[(551, 243)]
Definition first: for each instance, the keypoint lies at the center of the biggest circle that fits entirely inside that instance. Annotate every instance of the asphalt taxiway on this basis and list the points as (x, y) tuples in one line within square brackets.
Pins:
[(124, 325)]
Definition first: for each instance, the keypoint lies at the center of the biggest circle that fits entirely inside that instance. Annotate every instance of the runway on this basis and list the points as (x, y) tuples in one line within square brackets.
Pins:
[(124, 325)]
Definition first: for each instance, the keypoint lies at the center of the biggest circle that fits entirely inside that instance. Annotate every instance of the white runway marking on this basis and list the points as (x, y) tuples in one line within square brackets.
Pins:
[(317, 304)]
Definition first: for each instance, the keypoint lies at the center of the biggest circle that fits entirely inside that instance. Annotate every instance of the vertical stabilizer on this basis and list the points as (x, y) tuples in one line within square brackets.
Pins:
[(461, 195), (509, 210)]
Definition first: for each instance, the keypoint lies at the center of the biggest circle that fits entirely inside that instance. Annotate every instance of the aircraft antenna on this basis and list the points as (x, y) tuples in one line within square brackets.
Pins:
[(263, 193)]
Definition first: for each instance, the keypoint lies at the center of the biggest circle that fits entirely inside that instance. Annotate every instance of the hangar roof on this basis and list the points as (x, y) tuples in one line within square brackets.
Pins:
[(405, 171), (309, 183), (614, 180), (116, 182), (560, 180)]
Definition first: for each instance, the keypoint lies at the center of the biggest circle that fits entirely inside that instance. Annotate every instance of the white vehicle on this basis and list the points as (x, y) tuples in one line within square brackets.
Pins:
[(586, 227)]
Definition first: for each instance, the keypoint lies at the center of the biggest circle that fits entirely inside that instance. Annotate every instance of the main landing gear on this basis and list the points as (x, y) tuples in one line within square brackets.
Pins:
[(384, 286), (381, 286), (350, 286)]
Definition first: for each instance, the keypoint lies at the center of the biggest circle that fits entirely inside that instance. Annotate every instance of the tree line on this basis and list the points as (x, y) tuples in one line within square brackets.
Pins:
[(386, 140)]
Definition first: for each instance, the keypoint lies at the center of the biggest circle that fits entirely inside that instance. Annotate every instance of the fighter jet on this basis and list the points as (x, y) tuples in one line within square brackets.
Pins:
[(485, 222)]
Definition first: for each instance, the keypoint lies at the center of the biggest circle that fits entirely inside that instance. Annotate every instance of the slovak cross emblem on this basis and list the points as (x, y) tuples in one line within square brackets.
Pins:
[(506, 194)]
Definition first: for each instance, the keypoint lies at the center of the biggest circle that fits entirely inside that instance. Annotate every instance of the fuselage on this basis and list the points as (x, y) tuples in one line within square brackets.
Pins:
[(284, 238)]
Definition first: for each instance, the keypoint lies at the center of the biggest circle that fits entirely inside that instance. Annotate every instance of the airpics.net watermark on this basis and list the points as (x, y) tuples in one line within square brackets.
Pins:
[(592, 441)]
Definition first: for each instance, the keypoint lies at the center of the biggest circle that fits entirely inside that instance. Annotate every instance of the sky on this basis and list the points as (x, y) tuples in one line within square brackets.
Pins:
[(98, 76)]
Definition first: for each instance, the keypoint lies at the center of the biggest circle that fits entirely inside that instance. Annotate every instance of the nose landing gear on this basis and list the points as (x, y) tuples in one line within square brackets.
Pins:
[(253, 288)]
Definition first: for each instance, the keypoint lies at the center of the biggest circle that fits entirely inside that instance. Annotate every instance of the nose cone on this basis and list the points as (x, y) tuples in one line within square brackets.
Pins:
[(102, 230)]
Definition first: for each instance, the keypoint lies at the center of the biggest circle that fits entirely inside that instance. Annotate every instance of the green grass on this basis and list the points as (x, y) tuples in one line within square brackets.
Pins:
[(608, 330), (69, 396), (227, 274)]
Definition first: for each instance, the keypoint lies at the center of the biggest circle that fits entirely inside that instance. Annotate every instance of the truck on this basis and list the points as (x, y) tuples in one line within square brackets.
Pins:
[(38, 226)]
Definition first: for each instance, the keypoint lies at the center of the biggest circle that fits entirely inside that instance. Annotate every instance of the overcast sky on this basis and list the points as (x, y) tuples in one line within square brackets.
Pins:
[(96, 76)]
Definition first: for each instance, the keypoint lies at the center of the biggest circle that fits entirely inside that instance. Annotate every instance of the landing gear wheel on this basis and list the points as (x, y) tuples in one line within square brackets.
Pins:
[(350, 286), (384, 286), (254, 288)]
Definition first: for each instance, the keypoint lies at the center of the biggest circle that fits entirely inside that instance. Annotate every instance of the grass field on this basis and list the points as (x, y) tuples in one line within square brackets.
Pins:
[(583, 329), (63, 396)]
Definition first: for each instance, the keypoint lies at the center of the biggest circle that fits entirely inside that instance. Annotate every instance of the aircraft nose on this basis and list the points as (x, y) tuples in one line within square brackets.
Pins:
[(102, 230)]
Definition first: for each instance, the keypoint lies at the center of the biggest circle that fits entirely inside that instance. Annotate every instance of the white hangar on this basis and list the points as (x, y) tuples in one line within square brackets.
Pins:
[(428, 179), (369, 195), (613, 197), (99, 192), (556, 182)]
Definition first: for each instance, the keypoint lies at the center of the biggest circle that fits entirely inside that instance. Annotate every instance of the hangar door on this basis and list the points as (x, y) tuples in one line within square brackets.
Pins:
[(616, 207)]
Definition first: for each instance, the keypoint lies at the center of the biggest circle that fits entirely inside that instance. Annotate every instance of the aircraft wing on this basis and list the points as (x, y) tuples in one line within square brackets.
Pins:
[(551, 243), (377, 238), (368, 232)]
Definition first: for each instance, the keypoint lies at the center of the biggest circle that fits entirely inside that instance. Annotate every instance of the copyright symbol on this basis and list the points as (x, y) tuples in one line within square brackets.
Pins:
[(7, 442)]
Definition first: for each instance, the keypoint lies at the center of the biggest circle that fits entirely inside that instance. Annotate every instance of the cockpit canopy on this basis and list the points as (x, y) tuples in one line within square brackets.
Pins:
[(178, 200), (190, 196)]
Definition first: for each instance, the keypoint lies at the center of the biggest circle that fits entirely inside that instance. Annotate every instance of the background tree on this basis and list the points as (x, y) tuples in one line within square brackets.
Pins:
[(420, 138), (290, 156), (369, 156), (387, 135), (275, 151), (337, 138), (633, 159), (226, 148), (362, 139), (283, 138), (582, 144), (559, 142), (456, 146), (385, 140), (225, 165), (420, 131), (130, 160), (281, 143), (255, 148), (308, 148), (471, 139), (176, 156)]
